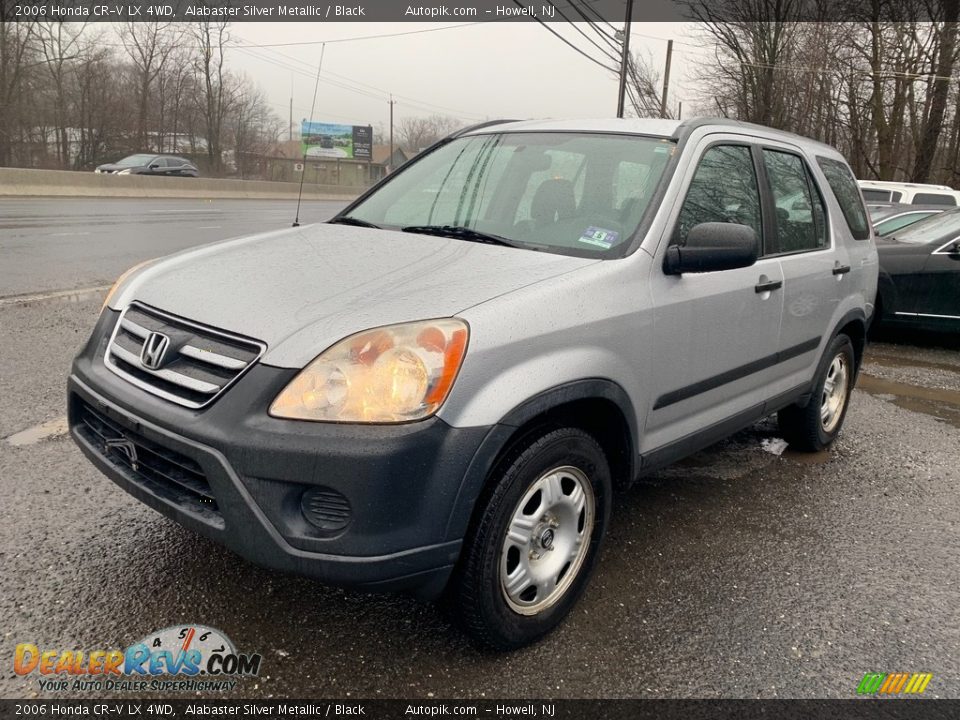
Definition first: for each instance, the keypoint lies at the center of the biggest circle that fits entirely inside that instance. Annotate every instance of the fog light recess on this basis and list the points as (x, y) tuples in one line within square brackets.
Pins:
[(325, 508)]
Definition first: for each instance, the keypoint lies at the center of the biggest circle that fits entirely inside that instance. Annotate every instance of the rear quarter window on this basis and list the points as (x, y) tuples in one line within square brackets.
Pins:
[(847, 192), (934, 199), (871, 195)]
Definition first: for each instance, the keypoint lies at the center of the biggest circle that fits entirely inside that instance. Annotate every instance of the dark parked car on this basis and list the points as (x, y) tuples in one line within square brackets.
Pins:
[(147, 164), (920, 274), (888, 218)]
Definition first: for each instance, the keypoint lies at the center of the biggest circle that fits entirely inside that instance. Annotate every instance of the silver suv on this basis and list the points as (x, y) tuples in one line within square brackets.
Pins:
[(439, 390)]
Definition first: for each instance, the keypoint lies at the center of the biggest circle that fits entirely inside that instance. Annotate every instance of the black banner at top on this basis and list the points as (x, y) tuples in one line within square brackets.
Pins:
[(463, 11)]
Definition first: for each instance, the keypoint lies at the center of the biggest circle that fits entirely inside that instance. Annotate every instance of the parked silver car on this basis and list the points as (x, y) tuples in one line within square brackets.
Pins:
[(438, 391)]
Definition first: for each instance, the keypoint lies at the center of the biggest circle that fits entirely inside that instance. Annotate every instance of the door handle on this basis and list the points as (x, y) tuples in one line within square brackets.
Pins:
[(841, 270), (767, 286)]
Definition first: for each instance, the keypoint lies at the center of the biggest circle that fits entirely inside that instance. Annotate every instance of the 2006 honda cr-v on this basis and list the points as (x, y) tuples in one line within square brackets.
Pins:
[(439, 389)]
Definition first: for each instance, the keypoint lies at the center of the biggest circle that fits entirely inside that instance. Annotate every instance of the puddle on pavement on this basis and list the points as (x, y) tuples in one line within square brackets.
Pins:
[(806, 458), (906, 362), (941, 404)]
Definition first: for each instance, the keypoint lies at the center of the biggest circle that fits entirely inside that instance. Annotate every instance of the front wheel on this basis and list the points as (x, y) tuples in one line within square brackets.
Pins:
[(817, 425), (530, 552)]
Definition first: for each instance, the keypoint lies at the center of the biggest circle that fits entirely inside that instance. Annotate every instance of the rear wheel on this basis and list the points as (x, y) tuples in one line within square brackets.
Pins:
[(529, 554), (817, 425)]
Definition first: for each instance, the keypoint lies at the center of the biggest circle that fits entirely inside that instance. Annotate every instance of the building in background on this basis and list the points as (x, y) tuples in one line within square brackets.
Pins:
[(285, 162)]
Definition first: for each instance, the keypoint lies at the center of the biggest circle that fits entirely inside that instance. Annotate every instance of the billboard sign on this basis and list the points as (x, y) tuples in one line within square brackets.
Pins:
[(329, 140)]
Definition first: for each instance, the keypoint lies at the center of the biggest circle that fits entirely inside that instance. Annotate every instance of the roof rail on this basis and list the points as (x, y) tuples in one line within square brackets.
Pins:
[(479, 126)]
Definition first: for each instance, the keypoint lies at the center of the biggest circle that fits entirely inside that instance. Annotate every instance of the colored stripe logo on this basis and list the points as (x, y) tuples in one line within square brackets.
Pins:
[(894, 683)]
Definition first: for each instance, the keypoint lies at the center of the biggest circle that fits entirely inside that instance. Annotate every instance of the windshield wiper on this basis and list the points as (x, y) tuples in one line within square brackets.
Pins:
[(460, 233), (347, 220)]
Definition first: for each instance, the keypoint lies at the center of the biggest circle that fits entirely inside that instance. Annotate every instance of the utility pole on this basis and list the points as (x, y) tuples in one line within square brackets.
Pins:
[(290, 124), (666, 80), (392, 102), (624, 58)]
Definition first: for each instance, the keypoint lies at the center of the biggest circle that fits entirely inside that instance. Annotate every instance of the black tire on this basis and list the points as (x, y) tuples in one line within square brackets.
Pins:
[(479, 601), (804, 427)]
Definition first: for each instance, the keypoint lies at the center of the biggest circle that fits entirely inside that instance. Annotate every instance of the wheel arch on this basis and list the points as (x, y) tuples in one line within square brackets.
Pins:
[(854, 326), (598, 406)]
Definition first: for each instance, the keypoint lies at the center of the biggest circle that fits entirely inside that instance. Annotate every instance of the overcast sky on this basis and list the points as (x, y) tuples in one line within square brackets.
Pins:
[(486, 70)]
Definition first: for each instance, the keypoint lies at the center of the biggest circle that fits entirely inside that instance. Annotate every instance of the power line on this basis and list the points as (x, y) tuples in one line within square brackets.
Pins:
[(363, 88), (366, 37), (588, 6), (565, 41), (352, 85), (593, 42)]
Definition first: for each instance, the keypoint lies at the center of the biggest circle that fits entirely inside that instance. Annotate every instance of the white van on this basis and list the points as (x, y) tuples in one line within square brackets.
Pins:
[(875, 191)]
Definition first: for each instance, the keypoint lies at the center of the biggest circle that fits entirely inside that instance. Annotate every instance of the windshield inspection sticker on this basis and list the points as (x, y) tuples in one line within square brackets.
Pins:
[(599, 237)]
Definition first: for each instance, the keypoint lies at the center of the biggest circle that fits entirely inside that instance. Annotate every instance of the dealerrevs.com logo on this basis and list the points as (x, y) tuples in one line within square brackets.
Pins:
[(178, 658)]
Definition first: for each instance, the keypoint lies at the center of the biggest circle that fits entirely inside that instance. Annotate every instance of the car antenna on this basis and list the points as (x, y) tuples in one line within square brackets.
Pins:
[(303, 173)]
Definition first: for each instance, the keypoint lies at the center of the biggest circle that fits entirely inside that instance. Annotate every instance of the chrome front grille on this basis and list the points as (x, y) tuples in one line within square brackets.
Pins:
[(194, 365)]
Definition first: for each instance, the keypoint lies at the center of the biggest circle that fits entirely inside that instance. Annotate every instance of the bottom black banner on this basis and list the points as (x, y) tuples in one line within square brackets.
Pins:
[(888, 709)]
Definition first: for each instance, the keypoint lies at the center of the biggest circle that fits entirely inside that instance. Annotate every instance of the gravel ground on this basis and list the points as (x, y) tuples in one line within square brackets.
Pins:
[(735, 573)]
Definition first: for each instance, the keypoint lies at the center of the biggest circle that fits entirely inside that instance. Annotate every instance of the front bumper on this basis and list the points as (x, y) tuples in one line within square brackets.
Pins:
[(238, 476)]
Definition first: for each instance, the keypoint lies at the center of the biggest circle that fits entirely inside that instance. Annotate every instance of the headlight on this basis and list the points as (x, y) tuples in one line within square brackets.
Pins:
[(122, 279), (391, 374), (123, 172)]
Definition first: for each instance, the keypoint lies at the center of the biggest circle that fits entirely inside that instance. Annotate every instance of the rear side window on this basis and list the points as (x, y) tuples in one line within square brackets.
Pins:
[(724, 189), (871, 195), (847, 192), (885, 227), (800, 218), (934, 199)]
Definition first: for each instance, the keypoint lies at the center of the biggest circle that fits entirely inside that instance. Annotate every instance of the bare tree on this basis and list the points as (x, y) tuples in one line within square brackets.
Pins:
[(98, 110), (254, 127), (932, 120), (149, 46), (62, 44), (16, 39), (214, 95), (644, 88), (753, 39), (416, 133)]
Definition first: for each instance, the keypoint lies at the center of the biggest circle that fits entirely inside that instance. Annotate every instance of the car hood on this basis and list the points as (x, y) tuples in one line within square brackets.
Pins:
[(302, 290)]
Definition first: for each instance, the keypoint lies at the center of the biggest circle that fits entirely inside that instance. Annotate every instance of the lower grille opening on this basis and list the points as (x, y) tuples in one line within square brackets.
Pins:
[(165, 472)]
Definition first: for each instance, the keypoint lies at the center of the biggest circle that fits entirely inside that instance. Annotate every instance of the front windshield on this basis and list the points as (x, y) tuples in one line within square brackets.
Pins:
[(569, 193), (944, 227), (135, 160)]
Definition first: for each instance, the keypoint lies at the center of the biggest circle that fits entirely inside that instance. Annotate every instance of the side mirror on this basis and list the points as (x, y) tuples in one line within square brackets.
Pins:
[(713, 246), (155, 166)]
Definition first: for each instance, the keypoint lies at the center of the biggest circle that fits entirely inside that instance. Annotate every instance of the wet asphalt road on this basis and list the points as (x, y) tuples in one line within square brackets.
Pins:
[(63, 243), (736, 573)]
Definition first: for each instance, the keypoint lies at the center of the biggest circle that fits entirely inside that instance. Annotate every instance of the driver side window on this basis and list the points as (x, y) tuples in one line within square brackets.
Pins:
[(724, 189)]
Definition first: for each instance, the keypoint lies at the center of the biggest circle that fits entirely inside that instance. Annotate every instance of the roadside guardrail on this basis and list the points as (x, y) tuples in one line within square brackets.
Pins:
[(66, 183)]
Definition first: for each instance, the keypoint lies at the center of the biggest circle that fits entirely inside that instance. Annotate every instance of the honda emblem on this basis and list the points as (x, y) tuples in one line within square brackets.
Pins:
[(154, 348)]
